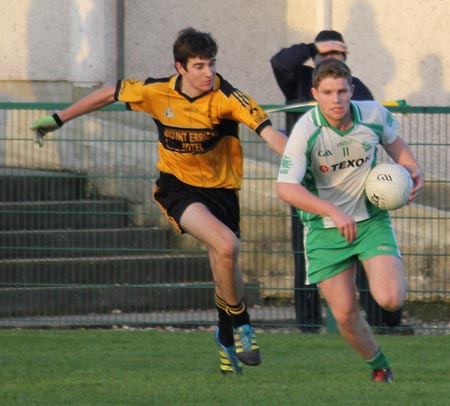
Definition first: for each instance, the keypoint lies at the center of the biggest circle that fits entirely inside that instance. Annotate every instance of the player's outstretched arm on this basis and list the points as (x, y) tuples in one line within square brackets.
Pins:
[(96, 100), (275, 139), (88, 104)]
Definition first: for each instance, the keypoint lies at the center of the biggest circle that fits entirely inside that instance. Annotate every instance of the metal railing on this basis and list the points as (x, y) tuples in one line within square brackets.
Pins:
[(82, 243)]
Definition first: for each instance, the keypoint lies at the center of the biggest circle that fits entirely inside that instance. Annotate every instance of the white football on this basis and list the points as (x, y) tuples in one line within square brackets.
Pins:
[(388, 186)]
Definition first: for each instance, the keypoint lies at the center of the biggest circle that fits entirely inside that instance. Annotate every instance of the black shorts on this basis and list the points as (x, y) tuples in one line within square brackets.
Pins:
[(174, 196)]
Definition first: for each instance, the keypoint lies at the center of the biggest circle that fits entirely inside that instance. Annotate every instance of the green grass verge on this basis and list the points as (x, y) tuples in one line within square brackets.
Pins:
[(148, 367)]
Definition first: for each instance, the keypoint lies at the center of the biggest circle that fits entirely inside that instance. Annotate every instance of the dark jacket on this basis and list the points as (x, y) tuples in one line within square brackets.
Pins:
[(295, 78)]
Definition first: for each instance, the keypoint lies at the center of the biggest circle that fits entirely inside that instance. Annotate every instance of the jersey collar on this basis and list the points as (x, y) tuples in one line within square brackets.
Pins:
[(320, 120), (175, 84)]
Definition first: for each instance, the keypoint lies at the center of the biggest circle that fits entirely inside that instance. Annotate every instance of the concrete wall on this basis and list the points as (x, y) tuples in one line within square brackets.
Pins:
[(54, 50), (51, 46)]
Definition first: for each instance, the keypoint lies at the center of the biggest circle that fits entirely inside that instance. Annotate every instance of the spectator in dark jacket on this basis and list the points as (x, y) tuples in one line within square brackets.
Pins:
[(295, 81)]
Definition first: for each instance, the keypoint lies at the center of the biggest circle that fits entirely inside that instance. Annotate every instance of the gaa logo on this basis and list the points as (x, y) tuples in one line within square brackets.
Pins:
[(384, 177), (375, 199), (324, 168)]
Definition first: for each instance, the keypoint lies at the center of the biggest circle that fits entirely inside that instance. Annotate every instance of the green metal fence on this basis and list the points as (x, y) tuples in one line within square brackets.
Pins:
[(82, 243)]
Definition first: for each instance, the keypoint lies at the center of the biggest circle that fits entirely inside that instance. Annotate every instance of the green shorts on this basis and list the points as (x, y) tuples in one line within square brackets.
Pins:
[(328, 253)]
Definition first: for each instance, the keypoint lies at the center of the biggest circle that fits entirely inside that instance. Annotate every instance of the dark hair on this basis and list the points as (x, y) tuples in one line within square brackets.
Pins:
[(331, 68), (329, 35), (191, 43)]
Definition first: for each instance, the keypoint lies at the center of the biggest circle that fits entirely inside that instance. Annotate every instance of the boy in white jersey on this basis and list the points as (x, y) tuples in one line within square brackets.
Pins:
[(326, 161)]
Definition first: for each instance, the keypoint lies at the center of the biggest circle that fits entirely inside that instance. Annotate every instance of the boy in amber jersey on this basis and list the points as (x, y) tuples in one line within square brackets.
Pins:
[(197, 113)]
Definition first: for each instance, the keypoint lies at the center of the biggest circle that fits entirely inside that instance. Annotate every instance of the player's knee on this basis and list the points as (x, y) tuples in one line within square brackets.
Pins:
[(393, 304), (228, 247), (346, 319), (391, 299)]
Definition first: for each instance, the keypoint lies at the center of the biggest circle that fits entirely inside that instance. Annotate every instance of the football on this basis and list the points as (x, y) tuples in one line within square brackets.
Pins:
[(388, 186)]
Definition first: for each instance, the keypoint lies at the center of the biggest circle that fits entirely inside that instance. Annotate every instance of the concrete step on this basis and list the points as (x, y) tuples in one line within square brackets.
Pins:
[(117, 270), (20, 184), (63, 252), (84, 242), (62, 214), (54, 301)]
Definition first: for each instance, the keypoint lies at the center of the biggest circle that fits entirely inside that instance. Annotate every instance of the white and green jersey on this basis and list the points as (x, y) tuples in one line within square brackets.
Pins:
[(334, 164)]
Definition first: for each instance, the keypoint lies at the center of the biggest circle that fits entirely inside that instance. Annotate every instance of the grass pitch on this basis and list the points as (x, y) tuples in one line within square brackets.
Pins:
[(151, 367)]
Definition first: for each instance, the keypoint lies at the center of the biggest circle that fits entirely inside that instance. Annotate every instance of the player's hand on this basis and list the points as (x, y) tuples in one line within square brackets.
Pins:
[(418, 178), (45, 125), (345, 224), (323, 47)]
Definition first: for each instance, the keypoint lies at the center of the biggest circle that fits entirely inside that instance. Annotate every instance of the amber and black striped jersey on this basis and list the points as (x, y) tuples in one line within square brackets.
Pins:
[(198, 137)]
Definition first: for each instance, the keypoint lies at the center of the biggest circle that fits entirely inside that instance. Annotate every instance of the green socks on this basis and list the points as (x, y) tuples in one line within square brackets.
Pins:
[(379, 361)]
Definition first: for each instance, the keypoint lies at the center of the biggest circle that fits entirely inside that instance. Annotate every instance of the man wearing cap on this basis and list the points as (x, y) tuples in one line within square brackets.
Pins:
[(295, 81), (295, 78)]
